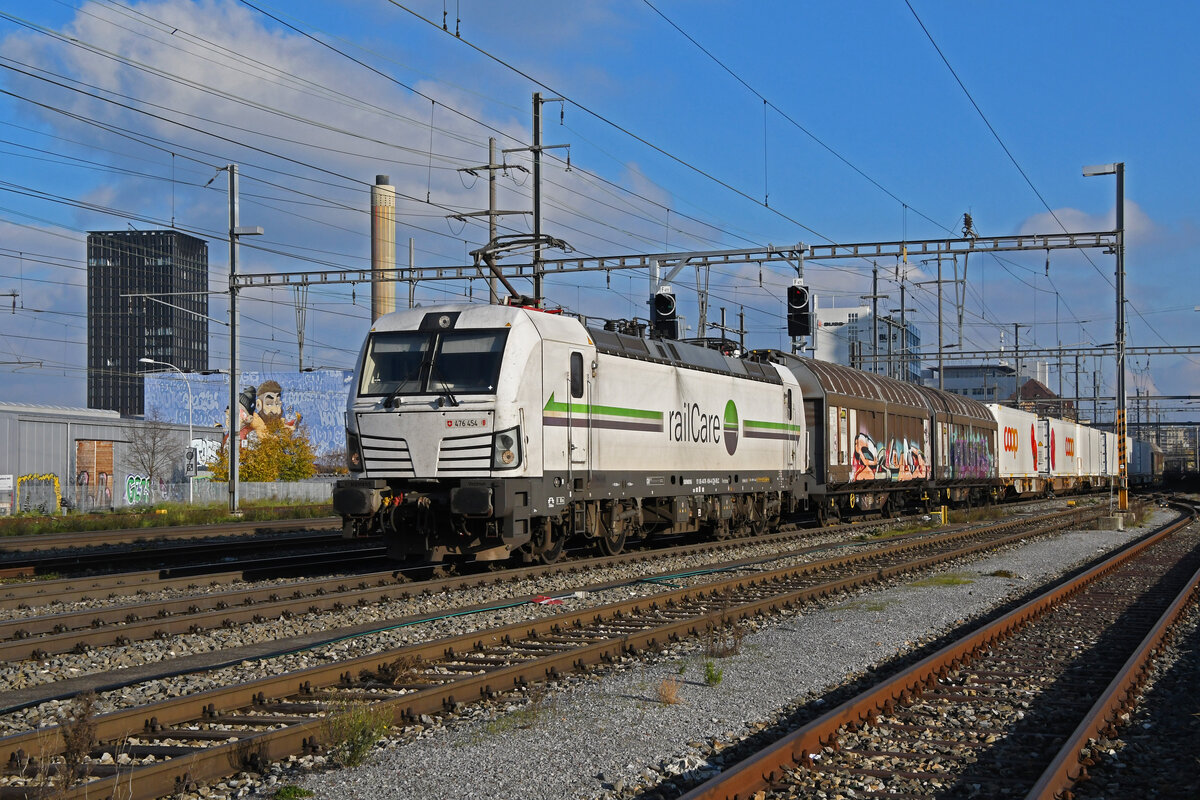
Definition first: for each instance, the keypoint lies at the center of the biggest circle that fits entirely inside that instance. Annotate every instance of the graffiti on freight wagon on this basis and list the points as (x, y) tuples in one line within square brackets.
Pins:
[(900, 460), (971, 454)]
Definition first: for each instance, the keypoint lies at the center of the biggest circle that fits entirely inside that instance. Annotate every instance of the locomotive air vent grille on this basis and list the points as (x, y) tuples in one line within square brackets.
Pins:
[(386, 457), (465, 456)]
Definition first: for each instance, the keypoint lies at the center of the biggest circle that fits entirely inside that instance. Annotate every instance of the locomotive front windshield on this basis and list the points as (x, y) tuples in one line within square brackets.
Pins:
[(400, 363)]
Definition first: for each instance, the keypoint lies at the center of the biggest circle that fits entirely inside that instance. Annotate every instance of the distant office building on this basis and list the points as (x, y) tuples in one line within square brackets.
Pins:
[(987, 383), (994, 383), (169, 266), (850, 337)]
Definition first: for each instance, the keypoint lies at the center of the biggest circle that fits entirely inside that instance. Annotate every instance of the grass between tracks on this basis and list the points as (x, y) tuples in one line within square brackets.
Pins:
[(161, 516)]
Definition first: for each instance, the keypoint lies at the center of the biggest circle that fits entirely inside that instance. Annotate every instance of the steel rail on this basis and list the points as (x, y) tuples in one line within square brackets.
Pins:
[(40, 637), (119, 625), (68, 589), (1067, 768), (765, 768), (50, 541), (213, 762), (186, 555)]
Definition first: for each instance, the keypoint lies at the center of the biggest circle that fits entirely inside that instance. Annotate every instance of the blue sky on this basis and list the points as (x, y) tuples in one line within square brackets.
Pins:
[(866, 135)]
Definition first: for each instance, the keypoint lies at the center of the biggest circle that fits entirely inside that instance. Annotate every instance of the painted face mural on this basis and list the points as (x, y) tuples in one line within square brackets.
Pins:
[(270, 399)]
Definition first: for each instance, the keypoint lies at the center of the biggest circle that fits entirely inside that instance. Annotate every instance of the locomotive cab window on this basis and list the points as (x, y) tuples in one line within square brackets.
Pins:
[(400, 363), (577, 375)]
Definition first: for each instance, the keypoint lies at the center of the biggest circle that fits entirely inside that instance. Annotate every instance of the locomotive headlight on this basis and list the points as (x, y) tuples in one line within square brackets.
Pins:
[(506, 449), (354, 461)]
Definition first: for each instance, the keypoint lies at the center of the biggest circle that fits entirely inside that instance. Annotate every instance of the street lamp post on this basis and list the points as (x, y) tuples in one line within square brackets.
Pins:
[(188, 384), (1118, 169)]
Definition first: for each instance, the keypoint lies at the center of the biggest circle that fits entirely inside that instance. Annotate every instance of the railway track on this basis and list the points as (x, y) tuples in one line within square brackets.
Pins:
[(196, 606), (185, 558), (1007, 711), (270, 718), (200, 602), (82, 539), (1153, 753)]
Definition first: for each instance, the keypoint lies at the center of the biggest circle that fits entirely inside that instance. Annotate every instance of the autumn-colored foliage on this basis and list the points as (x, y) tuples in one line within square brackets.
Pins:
[(278, 454)]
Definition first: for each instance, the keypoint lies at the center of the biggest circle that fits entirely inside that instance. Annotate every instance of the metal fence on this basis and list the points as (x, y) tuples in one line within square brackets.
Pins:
[(314, 491), (137, 491)]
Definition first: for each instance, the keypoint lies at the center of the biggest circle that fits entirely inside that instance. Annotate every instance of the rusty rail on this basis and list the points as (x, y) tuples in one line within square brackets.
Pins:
[(554, 633), (767, 768), (49, 541), (44, 635)]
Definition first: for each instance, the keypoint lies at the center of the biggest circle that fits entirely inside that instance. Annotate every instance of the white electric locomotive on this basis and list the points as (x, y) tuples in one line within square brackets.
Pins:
[(483, 431)]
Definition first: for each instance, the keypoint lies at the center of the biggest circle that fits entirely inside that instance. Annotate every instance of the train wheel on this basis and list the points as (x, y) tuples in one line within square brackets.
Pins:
[(611, 541), (548, 544), (555, 551)]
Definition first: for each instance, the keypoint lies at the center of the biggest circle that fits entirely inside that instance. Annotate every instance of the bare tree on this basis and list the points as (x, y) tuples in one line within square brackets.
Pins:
[(153, 448)]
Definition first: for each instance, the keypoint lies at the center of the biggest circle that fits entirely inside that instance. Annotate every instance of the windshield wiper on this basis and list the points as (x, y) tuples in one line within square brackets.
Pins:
[(387, 401), (435, 372)]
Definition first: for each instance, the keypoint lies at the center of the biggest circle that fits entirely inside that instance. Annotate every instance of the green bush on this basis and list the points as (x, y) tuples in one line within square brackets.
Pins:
[(292, 792), (353, 729), (176, 514), (713, 674)]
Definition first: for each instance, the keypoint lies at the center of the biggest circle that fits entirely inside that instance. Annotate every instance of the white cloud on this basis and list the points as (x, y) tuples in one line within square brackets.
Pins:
[(1138, 225)]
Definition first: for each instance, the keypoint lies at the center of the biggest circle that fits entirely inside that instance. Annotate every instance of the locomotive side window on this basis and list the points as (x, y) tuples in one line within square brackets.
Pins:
[(401, 363), (576, 374)]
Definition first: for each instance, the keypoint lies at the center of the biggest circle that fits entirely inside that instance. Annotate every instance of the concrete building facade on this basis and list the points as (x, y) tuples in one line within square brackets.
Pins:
[(168, 323), (847, 335)]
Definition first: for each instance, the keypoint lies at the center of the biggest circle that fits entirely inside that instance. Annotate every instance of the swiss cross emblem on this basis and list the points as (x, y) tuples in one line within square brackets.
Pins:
[(449, 423)]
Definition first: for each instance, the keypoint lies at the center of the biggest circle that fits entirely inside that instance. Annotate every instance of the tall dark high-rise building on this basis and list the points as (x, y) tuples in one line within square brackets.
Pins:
[(168, 266)]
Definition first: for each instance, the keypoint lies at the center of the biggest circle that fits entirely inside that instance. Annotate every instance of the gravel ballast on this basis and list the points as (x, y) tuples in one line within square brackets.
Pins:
[(610, 736)]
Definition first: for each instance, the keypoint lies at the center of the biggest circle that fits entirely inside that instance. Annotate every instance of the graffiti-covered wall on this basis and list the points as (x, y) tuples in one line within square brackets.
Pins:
[(94, 474), (316, 399), (54, 458), (38, 494)]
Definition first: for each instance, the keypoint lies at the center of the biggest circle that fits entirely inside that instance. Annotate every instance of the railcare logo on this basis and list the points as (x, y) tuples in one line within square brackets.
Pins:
[(691, 425), (731, 428)]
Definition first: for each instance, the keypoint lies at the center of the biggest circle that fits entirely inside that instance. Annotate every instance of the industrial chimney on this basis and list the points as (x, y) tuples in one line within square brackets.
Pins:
[(383, 247)]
